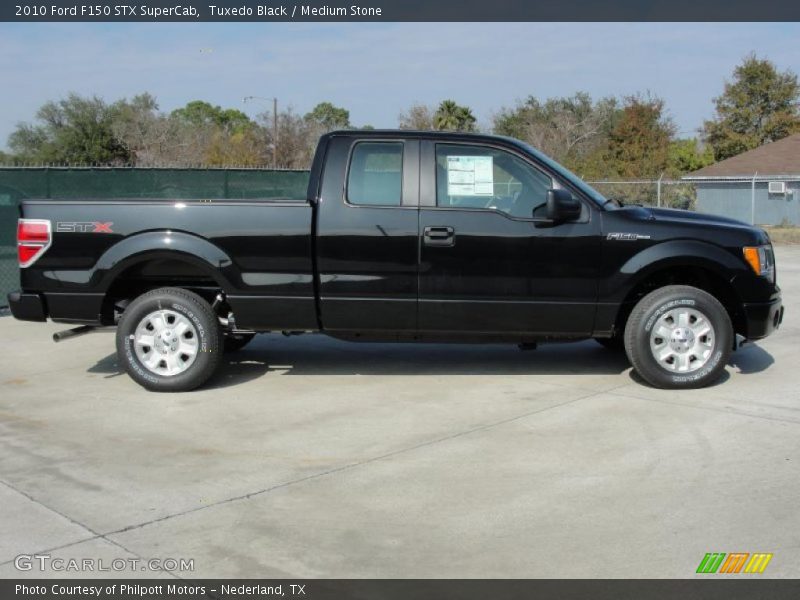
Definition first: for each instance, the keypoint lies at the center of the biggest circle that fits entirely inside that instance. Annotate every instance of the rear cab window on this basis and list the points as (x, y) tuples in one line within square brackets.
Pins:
[(375, 174)]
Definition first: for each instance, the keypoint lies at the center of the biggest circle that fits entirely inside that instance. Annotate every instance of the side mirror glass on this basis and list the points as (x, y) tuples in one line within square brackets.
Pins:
[(561, 206)]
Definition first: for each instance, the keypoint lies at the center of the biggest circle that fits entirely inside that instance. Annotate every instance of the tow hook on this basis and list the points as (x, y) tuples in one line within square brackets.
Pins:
[(60, 336)]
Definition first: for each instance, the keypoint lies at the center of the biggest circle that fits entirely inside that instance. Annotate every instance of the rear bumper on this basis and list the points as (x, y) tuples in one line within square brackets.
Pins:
[(83, 309), (763, 318), (27, 307)]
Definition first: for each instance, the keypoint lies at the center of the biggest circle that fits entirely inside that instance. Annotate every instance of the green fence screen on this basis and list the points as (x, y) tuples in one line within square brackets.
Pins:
[(18, 183)]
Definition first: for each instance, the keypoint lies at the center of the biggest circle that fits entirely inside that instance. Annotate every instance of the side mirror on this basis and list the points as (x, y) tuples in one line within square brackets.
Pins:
[(561, 206)]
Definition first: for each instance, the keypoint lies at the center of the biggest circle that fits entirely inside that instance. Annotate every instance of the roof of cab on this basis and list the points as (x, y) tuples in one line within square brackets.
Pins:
[(414, 133)]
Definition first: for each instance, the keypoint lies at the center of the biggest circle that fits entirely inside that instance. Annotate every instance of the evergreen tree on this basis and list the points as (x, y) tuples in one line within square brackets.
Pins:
[(760, 105)]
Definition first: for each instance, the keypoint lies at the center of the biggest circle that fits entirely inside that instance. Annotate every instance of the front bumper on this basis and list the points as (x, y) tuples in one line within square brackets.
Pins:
[(762, 318), (27, 307)]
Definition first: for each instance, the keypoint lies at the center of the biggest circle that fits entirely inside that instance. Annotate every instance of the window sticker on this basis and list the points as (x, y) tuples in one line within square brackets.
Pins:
[(470, 176)]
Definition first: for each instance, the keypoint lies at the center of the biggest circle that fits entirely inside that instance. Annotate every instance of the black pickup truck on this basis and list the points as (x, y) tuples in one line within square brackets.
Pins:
[(403, 236)]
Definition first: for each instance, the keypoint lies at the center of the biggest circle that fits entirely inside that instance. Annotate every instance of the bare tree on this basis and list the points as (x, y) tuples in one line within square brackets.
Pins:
[(568, 129), (418, 117), (296, 141), (150, 137)]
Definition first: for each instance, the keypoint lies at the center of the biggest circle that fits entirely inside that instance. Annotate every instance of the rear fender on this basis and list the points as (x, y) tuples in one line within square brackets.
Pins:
[(142, 247)]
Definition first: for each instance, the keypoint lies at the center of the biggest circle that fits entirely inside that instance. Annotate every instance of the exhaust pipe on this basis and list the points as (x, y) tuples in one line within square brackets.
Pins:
[(60, 336)]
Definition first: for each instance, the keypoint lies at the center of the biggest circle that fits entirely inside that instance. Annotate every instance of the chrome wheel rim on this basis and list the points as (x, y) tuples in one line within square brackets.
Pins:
[(166, 342), (682, 340)]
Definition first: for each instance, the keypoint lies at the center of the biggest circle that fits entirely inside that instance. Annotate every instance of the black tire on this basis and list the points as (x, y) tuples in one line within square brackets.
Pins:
[(236, 341), (201, 317), (644, 318), (614, 344)]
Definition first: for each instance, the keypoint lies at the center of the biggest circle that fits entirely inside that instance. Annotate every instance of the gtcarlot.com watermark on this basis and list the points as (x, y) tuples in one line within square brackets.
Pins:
[(47, 562)]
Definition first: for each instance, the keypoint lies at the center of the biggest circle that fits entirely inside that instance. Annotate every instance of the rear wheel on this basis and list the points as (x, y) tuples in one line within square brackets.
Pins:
[(169, 340), (679, 337)]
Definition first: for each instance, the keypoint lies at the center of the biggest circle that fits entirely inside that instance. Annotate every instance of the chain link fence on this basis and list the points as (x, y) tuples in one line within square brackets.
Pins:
[(19, 183), (668, 193)]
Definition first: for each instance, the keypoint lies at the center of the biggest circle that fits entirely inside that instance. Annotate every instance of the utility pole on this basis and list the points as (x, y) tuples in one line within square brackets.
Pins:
[(275, 133), (274, 126), (658, 190)]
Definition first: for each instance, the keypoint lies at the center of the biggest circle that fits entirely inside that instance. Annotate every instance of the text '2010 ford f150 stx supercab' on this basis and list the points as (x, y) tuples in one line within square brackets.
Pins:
[(403, 236)]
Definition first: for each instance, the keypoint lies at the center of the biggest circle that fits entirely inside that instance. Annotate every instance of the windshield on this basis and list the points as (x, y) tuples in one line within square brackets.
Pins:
[(564, 173)]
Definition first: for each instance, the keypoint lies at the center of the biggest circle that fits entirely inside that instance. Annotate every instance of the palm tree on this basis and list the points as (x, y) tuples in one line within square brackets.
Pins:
[(450, 116)]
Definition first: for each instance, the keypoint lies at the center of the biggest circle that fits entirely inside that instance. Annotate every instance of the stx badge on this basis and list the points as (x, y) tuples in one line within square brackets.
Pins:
[(84, 227)]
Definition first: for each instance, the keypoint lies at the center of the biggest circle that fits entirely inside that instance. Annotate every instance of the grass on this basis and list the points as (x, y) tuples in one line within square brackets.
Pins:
[(784, 235)]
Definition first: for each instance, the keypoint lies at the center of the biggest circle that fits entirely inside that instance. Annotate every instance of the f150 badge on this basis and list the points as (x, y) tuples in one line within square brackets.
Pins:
[(627, 237), (84, 227)]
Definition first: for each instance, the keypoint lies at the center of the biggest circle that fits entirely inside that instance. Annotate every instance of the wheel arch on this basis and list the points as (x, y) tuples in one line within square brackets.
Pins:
[(159, 259), (683, 262), (184, 246), (681, 252)]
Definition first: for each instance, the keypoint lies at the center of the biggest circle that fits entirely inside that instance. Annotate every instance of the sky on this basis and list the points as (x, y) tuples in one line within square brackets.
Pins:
[(378, 70)]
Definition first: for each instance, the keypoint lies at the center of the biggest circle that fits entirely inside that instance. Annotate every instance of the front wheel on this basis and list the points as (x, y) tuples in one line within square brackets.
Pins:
[(169, 340), (679, 337)]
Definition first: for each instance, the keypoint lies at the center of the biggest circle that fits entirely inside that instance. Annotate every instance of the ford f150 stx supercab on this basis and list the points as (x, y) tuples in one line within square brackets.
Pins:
[(403, 236)]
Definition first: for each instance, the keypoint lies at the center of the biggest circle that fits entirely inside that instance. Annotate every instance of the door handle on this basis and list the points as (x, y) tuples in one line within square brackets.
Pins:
[(439, 236)]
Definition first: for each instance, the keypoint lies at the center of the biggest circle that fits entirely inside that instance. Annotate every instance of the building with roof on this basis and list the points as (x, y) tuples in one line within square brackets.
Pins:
[(760, 186)]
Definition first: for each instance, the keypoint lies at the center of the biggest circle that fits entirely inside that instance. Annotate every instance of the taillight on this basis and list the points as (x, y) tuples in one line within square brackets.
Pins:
[(33, 239)]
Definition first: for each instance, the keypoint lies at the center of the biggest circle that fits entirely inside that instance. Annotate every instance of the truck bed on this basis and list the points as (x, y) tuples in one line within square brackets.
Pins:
[(260, 250)]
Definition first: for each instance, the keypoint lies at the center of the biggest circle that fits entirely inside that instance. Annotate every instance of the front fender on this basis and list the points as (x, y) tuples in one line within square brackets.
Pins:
[(674, 253), (677, 251)]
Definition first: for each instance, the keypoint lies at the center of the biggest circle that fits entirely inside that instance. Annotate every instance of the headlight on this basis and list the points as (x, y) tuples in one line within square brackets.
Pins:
[(762, 260)]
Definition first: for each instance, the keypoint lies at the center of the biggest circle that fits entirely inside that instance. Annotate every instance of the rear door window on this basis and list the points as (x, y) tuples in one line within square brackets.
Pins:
[(375, 177)]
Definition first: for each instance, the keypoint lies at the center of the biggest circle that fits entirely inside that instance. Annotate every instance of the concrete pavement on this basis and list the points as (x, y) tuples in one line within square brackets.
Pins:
[(310, 457)]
